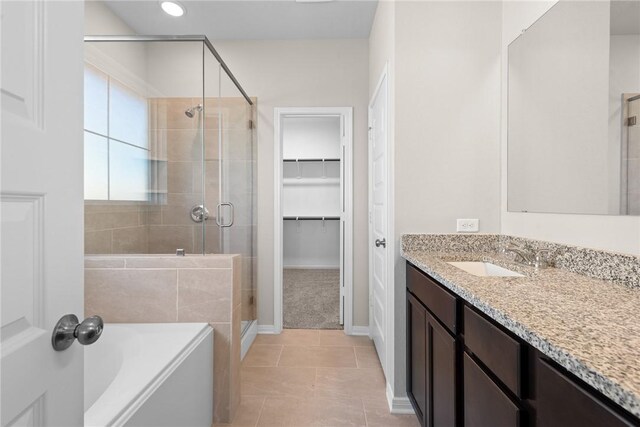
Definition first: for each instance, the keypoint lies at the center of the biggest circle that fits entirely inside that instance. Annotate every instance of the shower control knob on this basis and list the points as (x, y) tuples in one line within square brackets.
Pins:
[(199, 213), (69, 329)]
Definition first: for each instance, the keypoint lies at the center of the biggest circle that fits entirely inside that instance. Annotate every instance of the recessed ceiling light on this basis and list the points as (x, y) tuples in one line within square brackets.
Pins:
[(172, 8)]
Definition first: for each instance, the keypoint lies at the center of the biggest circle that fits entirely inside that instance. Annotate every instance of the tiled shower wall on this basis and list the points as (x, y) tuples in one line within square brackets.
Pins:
[(115, 227), (164, 224), (176, 148)]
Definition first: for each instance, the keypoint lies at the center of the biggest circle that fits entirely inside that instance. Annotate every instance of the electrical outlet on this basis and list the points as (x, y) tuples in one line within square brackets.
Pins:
[(468, 225)]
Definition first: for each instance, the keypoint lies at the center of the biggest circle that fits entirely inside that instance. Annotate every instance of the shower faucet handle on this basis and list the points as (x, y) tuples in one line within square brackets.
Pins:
[(199, 213), (69, 328)]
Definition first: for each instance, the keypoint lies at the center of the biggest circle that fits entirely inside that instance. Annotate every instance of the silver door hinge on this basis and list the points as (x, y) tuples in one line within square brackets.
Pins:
[(250, 124), (631, 121)]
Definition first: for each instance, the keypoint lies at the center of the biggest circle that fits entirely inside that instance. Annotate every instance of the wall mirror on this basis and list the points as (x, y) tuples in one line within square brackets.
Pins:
[(574, 111)]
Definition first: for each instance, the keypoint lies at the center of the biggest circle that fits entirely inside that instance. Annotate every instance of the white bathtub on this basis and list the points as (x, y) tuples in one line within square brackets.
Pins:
[(150, 375)]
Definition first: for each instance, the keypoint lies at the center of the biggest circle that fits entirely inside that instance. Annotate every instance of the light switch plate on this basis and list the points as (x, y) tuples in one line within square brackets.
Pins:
[(468, 225)]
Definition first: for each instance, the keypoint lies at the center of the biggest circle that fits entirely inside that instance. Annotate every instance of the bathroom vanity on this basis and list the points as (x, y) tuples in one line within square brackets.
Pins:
[(539, 347)]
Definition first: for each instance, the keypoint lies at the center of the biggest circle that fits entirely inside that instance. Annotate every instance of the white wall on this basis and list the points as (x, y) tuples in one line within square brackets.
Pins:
[(125, 61), (100, 20), (447, 140), (311, 244), (305, 73), (445, 68), (382, 48), (615, 233)]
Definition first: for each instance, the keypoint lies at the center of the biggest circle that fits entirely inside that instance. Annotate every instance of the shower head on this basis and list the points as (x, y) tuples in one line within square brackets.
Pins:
[(190, 112)]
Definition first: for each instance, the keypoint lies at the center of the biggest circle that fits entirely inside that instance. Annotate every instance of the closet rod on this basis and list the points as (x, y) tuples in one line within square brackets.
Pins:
[(310, 160), (311, 218)]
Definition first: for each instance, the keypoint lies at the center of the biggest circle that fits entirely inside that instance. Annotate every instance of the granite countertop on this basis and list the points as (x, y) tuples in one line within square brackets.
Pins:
[(589, 326)]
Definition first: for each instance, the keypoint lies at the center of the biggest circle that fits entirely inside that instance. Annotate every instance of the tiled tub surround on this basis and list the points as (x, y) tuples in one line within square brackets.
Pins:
[(589, 326), (164, 288)]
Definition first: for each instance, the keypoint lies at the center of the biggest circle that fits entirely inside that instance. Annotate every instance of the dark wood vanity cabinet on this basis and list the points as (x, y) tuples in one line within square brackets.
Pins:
[(564, 402), (485, 404), (431, 362), (417, 356), (463, 369)]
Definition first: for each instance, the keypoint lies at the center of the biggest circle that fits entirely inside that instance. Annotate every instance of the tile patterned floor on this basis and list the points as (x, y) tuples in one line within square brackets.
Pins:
[(306, 378)]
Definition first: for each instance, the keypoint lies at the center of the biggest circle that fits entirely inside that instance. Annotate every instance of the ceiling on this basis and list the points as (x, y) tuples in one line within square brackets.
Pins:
[(240, 19)]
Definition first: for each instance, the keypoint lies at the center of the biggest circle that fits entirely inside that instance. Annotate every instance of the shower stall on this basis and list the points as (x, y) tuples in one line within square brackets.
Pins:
[(170, 150)]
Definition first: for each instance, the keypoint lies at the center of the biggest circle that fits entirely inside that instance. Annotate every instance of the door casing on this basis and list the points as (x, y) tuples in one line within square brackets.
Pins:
[(346, 115)]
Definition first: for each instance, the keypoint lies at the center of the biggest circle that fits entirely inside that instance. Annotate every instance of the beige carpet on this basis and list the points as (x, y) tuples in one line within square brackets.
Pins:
[(311, 299)]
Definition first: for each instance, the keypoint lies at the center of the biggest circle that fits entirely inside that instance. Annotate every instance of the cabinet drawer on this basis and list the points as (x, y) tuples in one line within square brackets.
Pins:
[(495, 348), (484, 403), (562, 402), (430, 293)]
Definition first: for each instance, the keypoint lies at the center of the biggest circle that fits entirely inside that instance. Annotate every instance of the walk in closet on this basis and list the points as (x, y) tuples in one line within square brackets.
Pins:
[(314, 164)]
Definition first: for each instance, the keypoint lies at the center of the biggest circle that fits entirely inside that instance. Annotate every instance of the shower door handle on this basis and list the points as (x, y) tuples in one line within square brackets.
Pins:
[(219, 209)]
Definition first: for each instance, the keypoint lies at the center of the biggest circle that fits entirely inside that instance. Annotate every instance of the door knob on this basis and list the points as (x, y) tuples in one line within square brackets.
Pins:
[(382, 243), (69, 328)]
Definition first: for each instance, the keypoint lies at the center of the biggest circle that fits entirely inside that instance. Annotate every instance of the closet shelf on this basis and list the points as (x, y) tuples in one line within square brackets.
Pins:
[(310, 160), (312, 218), (312, 181)]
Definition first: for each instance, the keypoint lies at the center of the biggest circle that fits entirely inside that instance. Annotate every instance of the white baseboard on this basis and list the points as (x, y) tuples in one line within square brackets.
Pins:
[(398, 405), (266, 329), (247, 338), (360, 330)]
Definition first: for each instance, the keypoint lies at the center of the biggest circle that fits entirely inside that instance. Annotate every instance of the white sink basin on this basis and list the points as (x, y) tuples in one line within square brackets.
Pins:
[(484, 269)]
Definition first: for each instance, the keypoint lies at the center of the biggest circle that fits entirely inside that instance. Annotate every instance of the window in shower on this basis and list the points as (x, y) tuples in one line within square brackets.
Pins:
[(116, 140)]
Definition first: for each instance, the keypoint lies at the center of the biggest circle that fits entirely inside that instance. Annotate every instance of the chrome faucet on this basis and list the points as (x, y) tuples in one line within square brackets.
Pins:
[(523, 256), (529, 256)]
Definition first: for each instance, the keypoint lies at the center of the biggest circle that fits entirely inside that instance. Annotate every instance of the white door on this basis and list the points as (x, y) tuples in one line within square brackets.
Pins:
[(41, 203), (378, 219)]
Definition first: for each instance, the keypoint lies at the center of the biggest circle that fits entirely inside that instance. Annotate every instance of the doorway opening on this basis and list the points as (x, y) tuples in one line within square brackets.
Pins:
[(313, 218)]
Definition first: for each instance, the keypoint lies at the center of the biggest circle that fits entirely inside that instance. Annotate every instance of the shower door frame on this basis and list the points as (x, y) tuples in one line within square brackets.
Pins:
[(346, 121), (196, 38)]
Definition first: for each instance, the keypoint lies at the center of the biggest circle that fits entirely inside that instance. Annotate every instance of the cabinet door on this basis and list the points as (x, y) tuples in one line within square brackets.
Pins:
[(484, 403), (564, 403), (441, 347), (417, 357)]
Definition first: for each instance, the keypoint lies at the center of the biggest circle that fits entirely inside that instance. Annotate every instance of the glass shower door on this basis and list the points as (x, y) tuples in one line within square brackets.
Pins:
[(236, 207)]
